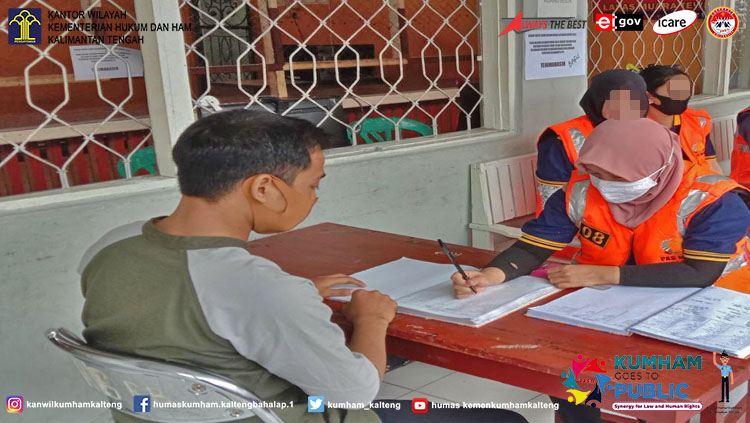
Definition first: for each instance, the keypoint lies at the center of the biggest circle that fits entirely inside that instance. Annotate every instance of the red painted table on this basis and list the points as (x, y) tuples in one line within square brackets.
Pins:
[(517, 350)]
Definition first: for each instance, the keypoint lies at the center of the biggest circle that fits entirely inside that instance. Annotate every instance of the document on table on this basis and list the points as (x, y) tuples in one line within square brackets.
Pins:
[(614, 309), (424, 289), (713, 319)]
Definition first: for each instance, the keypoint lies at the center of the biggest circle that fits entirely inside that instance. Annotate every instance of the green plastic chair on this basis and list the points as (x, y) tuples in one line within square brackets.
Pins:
[(372, 127), (145, 158)]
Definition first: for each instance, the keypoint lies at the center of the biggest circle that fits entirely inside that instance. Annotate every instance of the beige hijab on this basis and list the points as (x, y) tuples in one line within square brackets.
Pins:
[(633, 150)]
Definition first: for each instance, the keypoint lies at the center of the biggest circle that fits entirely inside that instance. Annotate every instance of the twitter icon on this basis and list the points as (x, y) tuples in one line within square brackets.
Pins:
[(315, 404)]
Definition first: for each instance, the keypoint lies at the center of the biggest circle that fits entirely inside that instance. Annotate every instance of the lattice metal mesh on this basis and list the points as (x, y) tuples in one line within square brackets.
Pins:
[(344, 64), (628, 49), (37, 94)]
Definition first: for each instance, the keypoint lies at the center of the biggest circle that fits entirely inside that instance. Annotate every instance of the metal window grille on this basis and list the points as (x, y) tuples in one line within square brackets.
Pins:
[(49, 91), (638, 49), (350, 66)]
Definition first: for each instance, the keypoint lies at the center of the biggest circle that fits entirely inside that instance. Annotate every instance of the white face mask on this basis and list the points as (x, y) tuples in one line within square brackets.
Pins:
[(622, 192)]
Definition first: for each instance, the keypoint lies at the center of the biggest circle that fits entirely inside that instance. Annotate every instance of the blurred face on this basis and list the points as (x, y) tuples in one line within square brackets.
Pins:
[(620, 106), (725, 360), (677, 88)]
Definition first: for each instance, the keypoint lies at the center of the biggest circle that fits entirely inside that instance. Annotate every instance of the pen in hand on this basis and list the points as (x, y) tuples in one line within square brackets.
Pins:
[(455, 263)]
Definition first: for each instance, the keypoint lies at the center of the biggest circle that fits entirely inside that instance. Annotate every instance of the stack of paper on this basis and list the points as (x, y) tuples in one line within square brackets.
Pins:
[(712, 318), (424, 289), (614, 309)]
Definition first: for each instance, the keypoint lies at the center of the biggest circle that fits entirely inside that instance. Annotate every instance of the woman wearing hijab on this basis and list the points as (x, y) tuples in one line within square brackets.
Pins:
[(613, 94), (669, 90), (741, 152), (643, 216)]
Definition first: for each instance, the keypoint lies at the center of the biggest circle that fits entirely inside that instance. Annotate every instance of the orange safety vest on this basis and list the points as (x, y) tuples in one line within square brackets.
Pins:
[(659, 239), (573, 134), (741, 156), (695, 125)]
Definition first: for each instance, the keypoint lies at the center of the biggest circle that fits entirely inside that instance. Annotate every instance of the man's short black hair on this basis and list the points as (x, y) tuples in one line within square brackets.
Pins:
[(220, 150), (724, 354)]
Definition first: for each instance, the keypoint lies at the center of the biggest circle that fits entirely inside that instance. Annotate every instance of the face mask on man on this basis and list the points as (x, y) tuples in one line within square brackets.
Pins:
[(618, 192), (298, 206), (670, 106)]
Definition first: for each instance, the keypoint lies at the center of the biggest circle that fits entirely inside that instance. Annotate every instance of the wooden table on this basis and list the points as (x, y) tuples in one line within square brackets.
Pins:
[(517, 350)]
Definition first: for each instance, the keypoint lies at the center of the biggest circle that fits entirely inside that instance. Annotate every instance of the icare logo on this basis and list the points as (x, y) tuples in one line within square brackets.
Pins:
[(619, 21), (675, 22)]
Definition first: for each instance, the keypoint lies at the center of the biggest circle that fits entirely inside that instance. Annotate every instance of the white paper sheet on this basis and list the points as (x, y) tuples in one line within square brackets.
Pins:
[(615, 309), (425, 289), (555, 53), (85, 57), (713, 319), (501, 299), (402, 277)]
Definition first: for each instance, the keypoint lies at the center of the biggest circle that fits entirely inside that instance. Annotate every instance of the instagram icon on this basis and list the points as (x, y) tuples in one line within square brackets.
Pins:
[(14, 404)]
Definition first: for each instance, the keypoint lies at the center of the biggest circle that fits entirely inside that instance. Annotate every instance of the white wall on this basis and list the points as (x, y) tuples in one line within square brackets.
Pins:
[(418, 191)]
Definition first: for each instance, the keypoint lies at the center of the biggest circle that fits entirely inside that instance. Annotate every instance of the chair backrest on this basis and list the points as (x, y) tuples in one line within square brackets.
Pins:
[(503, 189), (145, 158), (371, 128), (195, 395)]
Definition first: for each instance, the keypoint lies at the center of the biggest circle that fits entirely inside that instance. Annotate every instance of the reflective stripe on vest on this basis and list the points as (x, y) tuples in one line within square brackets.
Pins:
[(655, 240), (577, 203), (694, 198), (572, 134), (735, 263), (545, 191), (578, 138)]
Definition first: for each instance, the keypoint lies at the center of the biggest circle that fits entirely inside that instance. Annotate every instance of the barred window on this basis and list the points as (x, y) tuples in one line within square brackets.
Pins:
[(58, 132), (365, 71), (638, 49)]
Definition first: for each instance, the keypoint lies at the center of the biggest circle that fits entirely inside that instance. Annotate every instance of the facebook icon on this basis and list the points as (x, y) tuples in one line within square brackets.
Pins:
[(142, 403)]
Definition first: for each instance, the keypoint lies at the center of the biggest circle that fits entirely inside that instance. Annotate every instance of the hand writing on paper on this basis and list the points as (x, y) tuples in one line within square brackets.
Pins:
[(578, 275), (480, 280), (324, 284)]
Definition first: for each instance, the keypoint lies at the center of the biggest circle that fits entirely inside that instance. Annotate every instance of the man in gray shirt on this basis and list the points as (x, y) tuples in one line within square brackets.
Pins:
[(184, 287)]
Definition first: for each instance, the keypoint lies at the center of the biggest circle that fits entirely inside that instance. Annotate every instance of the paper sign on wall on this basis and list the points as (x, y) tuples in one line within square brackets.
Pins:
[(85, 57), (555, 53)]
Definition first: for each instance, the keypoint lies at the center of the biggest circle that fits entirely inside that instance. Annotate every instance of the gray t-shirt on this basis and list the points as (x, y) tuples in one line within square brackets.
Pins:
[(208, 302)]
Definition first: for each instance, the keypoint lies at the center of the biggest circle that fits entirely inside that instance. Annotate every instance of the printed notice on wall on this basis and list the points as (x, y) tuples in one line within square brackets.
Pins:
[(555, 53), (556, 8), (85, 57)]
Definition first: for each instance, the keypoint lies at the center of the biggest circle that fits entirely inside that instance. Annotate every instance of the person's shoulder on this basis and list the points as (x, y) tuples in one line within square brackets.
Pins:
[(109, 239), (237, 272)]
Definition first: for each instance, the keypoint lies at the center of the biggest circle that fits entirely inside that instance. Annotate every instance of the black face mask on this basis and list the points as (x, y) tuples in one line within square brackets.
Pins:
[(670, 106)]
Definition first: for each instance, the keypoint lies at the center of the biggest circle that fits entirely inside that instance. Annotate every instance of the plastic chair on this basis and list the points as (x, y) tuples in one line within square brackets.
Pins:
[(119, 377), (145, 158), (371, 128)]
